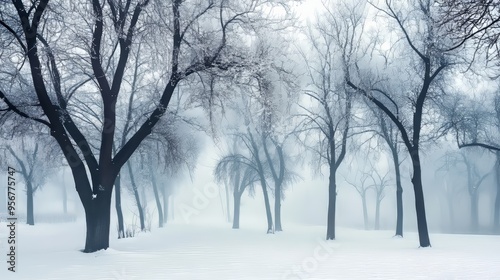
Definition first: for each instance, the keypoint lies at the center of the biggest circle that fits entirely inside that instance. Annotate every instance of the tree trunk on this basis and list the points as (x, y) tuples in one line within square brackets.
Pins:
[(30, 219), (474, 213), (97, 216), (118, 207), (268, 209), (227, 203), (423, 232), (236, 210), (136, 196), (165, 196), (365, 211), (377, 214), (277, 207), (332, 197), (399, 194), (157, 197)]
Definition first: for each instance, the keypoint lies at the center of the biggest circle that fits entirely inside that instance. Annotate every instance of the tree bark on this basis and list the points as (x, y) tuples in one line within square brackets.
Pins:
[(136, 196), (118, 207), (332, 200), (423, 232), (97, 216)]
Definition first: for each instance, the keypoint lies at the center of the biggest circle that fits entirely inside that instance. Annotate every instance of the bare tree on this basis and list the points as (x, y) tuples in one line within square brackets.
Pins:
[(475, 123), (326, 127), (114, 27), (362, 187), (379, 184), (30, 157), (427, 57), (240, 173)]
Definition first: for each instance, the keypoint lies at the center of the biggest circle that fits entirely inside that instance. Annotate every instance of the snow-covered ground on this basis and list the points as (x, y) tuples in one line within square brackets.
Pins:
[(179, 251)]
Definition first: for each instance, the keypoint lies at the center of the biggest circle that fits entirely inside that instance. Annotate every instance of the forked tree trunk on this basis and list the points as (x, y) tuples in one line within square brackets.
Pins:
[(423, 232), (236, 210), (118, 207), (332, 200), (30, 219), (399, 194)]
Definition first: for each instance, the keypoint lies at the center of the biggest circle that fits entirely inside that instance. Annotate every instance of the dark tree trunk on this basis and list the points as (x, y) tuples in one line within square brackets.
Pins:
[(118, 207), (157, 197), (332, 197), (423, 232), (399, 194), (30, 219), (365, 210), (136, 196), (236, 210), (277, 207), (474, 213), (97, 216)]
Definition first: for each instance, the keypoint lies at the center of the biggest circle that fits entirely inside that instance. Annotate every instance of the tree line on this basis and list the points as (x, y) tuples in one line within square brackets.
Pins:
[(110, 87)]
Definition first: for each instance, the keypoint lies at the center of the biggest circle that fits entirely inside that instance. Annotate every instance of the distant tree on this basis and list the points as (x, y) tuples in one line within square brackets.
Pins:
[(361, 186), (474, 123), (379, 184), (29, 157), (240, 173), (390, 134), (327, 122)]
